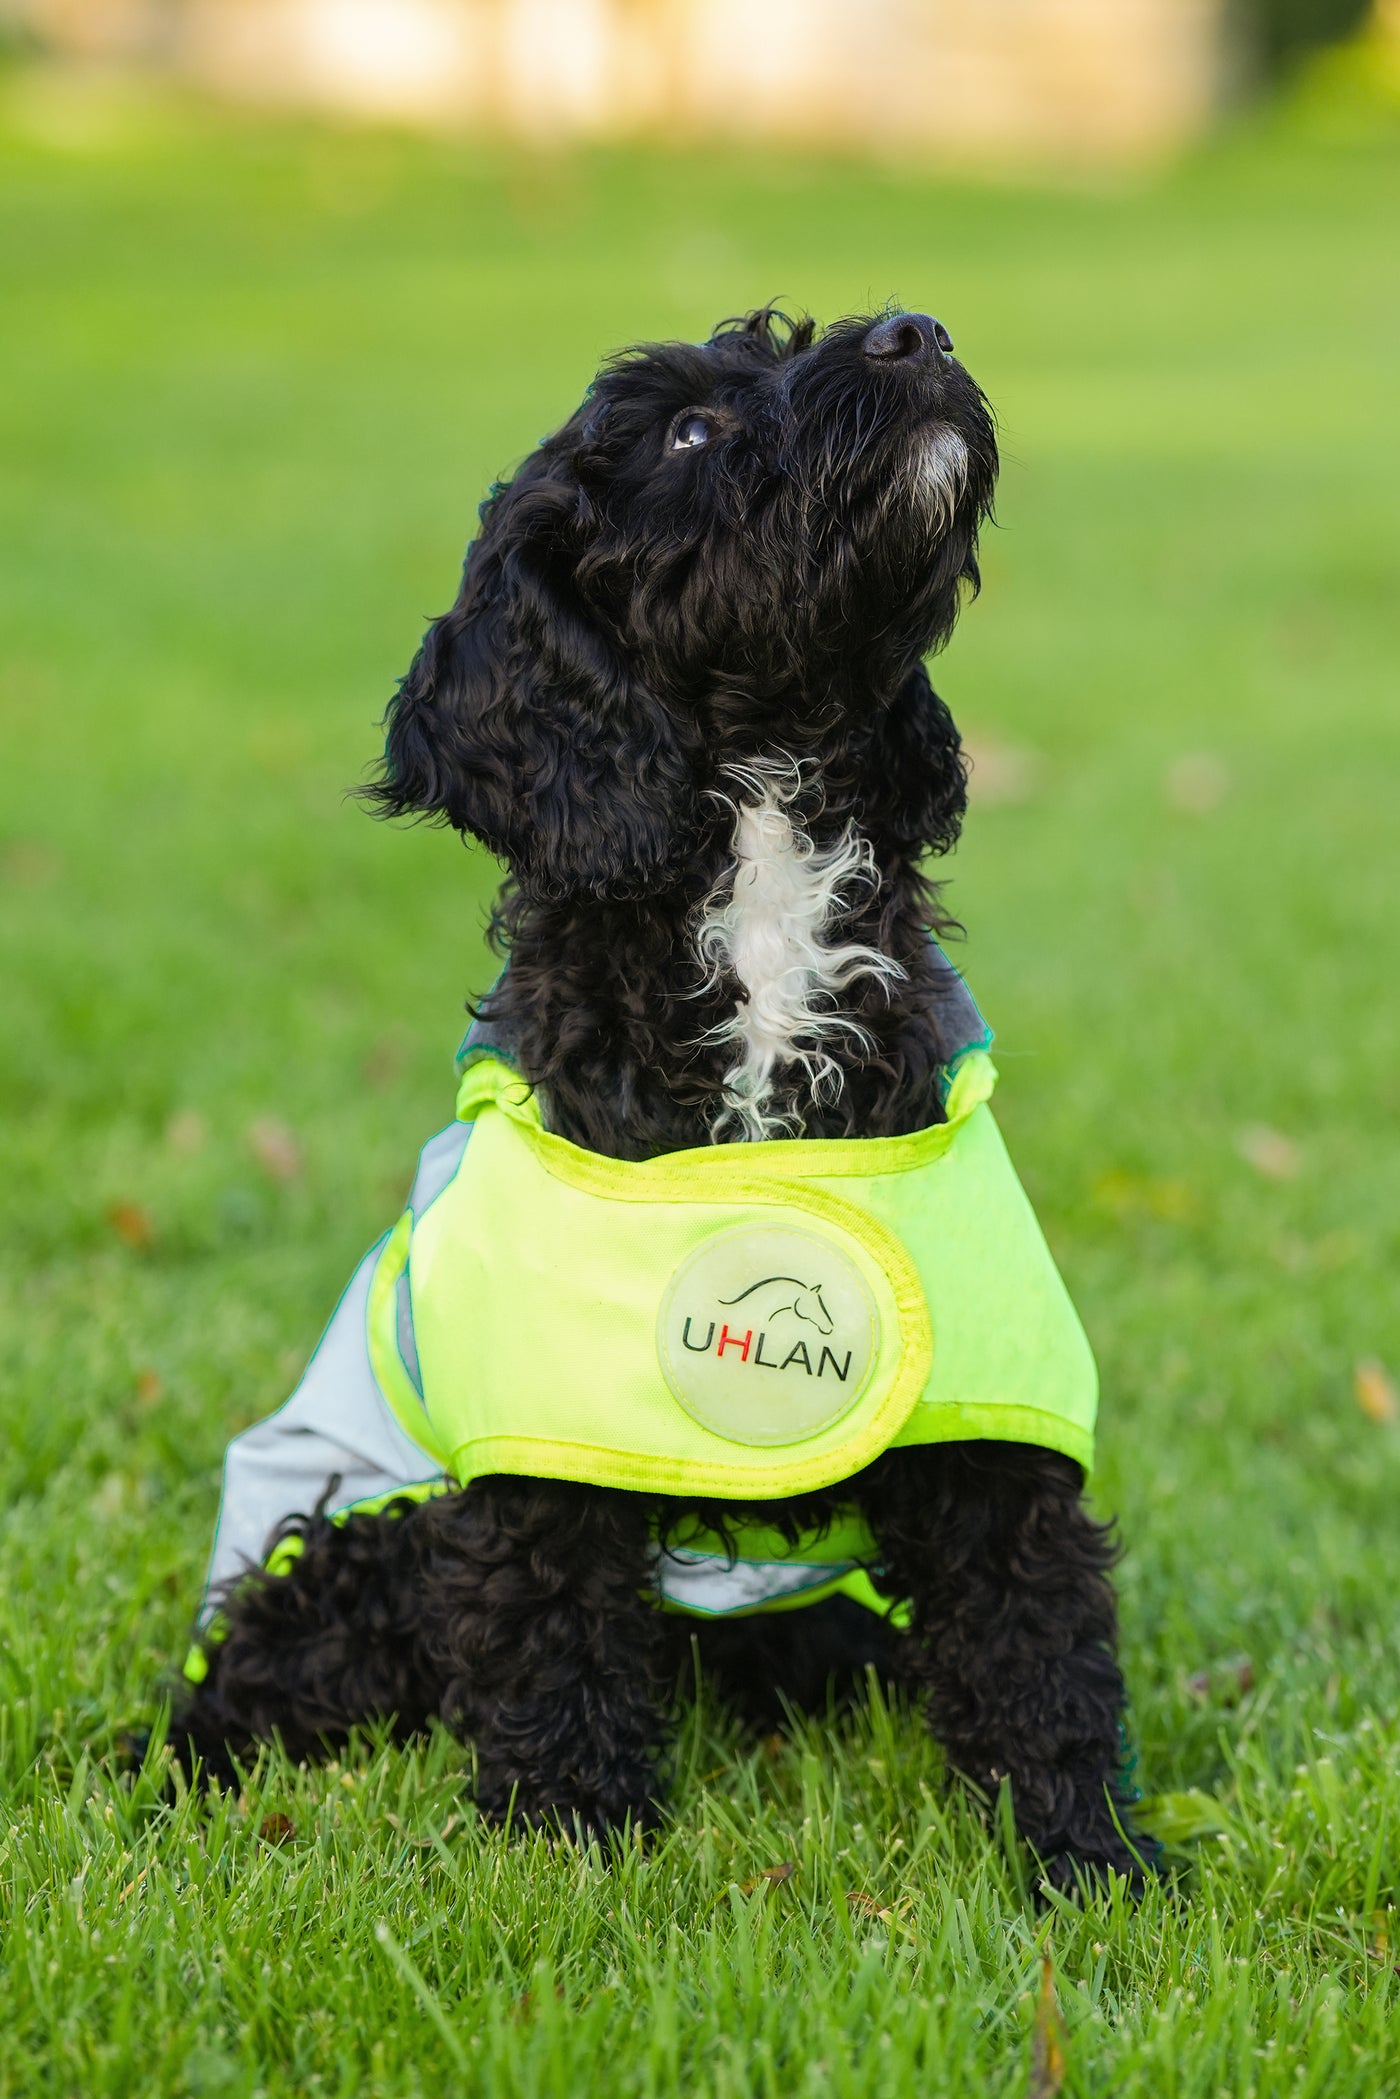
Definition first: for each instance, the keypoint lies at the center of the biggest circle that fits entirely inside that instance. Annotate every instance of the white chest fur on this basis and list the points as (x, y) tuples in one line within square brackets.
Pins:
[(771, 922)]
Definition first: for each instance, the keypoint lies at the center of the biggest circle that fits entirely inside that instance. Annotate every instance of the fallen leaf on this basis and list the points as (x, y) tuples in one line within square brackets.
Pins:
[(1142, 1195), (1197, 782), (149, 1386), (1180, 1818), (1268, 1151), (186, 1132), (862, 1905), (1002, 775), (275, 1148), (131, 1224), (30, 863), (383, 1061), (430, 1843), (276, 1829), (1375, 1392), (279, 747), (773, 1876), (1048, 2059), (525, 2005), (1226, 1682)]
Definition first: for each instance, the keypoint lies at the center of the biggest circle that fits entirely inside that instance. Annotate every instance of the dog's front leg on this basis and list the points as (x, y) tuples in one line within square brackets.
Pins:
[(309, 1654), (1014, 1625), (543, 1630)]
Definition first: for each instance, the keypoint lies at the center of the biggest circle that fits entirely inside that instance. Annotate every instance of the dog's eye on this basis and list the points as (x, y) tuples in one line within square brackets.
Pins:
[(690, 431)]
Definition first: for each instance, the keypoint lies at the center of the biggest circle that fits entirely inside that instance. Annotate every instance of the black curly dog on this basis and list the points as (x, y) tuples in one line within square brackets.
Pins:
[(733, 552)]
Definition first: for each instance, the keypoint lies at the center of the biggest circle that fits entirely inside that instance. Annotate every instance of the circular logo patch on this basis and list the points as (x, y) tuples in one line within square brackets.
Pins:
[(767, 1336)]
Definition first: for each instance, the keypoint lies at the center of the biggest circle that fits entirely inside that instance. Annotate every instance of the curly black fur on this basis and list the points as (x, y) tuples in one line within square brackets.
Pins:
[(732, 550), (633, 620)]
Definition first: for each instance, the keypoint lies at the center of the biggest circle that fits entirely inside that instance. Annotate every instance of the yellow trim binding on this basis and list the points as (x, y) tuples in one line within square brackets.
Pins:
[(535, 1275)]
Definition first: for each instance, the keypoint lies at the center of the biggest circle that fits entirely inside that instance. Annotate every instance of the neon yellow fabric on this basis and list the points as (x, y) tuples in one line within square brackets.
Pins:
[(537, 1274), (540, 1279)]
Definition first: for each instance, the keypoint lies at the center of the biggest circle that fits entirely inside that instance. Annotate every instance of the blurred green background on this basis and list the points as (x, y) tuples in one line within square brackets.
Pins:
[(254, 380)]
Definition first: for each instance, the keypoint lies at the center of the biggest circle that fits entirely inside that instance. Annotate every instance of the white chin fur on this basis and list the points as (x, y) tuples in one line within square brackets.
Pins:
[(941, 472), (765, 922)]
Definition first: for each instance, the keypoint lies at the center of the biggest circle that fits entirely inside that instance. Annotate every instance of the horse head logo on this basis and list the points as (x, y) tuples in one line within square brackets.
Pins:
[(790, 1294)]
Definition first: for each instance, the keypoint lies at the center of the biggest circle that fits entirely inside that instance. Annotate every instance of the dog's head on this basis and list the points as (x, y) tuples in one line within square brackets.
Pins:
[(733, 548)]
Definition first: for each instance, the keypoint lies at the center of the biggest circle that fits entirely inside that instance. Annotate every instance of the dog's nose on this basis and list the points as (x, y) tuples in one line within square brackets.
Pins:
[(906, 338)]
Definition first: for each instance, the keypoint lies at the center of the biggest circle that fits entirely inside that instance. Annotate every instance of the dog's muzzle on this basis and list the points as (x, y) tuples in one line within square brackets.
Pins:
[(907, 338)]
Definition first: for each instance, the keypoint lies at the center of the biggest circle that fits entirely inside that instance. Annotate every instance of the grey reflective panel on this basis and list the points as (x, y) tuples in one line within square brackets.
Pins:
[(714, 1584), (437, 1163), (959, 1016), (488, 1035), (408, 1346), (335, 1427)]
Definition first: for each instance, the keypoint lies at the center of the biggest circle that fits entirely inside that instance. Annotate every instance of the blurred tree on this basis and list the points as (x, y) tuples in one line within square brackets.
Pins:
[(1277, 32)]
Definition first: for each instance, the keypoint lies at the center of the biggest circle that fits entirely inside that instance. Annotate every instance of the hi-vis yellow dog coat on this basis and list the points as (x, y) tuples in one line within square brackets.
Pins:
[(741, 1321)]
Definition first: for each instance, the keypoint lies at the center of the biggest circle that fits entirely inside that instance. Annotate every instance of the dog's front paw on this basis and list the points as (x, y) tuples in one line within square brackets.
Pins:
[(575, 1818), (579, 1829), (1079, 1874)]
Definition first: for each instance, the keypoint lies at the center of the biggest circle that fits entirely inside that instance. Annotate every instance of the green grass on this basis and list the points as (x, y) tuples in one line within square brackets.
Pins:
[(252, 384)]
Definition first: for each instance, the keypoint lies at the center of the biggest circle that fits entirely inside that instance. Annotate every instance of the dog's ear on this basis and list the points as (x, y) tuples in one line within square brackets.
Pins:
[(916, 781), (520, 722)]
